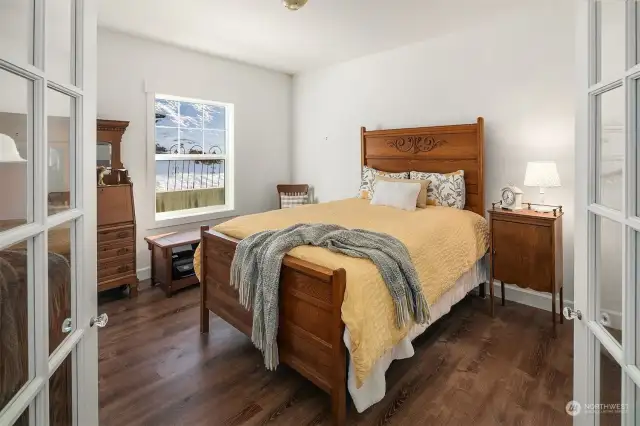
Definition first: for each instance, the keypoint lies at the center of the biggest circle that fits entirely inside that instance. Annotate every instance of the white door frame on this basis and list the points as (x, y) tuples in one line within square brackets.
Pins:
[(81, 343), (588, 332)]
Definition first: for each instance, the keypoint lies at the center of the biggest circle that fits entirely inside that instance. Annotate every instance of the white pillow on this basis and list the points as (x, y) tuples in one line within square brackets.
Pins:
[(401, 195), (369, 174)]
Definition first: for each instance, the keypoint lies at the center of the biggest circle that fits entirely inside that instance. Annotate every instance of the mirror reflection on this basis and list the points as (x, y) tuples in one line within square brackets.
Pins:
[(103, 154)]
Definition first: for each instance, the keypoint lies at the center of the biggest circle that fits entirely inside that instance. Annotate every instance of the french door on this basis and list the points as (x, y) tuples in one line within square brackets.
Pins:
[(607, 233), (48, 351)]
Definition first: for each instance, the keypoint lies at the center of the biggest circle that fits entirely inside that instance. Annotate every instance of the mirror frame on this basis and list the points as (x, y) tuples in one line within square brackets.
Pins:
[(111, 131)]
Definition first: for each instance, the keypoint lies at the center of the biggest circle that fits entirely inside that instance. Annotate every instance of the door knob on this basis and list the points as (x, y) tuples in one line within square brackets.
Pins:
[(570, 314), (67, 325), (99, 321)]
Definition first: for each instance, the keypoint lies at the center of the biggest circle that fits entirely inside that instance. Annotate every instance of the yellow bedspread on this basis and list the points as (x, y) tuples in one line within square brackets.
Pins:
[(443, 242)]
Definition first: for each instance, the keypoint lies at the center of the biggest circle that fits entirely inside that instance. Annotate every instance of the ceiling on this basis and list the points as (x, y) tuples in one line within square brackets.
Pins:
[(264, 33)]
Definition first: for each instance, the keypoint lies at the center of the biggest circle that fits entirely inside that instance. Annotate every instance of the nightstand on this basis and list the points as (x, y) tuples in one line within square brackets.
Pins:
[(526, 250)]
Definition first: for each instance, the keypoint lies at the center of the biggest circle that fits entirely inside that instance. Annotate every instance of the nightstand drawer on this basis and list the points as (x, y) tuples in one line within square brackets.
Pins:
[(523, 254)]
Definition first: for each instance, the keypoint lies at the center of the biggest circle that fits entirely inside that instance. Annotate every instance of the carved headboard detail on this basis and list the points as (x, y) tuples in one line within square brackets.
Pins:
[(440, 149), (416, 144)]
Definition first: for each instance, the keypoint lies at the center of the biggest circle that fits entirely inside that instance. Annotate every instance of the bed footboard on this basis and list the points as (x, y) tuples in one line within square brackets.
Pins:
[(311, 328)]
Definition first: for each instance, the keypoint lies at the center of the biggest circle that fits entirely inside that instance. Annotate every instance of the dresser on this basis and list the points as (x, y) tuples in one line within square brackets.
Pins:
[(116, 213), (526, 250)]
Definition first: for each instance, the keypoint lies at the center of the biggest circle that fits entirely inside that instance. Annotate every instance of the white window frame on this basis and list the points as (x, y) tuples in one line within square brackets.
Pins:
[(179, 217)]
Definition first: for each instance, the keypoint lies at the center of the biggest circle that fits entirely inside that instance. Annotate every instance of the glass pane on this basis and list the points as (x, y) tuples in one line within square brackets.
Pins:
[(611, 27), (637, 401), (16, 142), (637, 13), (637, 266), (167, 113), (214, 117), (23, 420), (609, 407), (60, 42), (191, 140), (610, 145), (16, 29), (167, 141), (189, 184), (609, 275), (61, 146), (191, 115), (61, 394), (15, 271), (60, 285), (637, 171), (215, 141)]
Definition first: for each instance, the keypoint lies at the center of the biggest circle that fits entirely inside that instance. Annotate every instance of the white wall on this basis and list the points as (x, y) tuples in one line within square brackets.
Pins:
[(262, 102), (516, 70)]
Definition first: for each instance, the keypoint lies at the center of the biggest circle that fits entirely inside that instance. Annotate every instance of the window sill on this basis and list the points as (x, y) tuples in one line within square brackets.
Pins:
[(164, 220)]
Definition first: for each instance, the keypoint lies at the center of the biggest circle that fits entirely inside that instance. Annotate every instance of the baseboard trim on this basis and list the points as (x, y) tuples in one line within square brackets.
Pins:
[(543, 301), (144, 273), (527, 297)]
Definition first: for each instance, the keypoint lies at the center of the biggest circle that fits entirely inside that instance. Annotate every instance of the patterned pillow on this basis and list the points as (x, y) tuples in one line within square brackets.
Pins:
[(369, 177), (445, 189), (288, 201)]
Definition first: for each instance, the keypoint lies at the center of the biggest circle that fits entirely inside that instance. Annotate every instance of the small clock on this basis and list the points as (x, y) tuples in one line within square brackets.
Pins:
[(511, 198)]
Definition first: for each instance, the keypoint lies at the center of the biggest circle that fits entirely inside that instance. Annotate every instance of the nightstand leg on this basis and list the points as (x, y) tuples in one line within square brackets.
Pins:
[(553, 307), (561, 306), (491, 297), (491, 282), (502, 290)]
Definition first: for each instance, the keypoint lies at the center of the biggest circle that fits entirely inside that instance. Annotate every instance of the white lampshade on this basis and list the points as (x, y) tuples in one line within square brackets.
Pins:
[(543, 174), (8, 150)]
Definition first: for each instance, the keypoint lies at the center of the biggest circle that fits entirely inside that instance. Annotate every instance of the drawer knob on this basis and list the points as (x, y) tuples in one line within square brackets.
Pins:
[(570, 313)]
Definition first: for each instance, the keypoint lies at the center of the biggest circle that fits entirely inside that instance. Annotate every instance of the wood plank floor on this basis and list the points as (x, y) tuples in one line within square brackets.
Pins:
[(469, 369)]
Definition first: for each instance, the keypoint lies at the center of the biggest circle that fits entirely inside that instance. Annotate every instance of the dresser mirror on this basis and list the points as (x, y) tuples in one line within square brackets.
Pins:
[(103, 154)]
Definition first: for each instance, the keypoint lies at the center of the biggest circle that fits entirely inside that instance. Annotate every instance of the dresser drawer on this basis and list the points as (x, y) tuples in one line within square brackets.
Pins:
[(110, 250), (116, 269), (118, 260), (116, 234), (523, 254)]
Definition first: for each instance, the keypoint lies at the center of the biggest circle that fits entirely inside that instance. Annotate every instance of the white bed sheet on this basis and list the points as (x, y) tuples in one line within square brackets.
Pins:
[(374, 387)]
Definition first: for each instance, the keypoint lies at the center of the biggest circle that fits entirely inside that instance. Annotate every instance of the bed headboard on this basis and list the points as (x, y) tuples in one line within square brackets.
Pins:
[(440, 149)]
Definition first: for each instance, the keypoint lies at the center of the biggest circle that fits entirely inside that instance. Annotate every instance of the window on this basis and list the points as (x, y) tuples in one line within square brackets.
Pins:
[(193, 142)]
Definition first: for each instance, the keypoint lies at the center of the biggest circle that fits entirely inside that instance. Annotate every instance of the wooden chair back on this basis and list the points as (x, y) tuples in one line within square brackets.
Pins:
[(291, 189)]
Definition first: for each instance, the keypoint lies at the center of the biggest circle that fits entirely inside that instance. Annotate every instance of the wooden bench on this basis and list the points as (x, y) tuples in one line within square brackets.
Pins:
[(161, 247)]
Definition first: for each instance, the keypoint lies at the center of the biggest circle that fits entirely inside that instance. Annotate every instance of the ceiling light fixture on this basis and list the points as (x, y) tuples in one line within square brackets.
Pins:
[(294, 4)]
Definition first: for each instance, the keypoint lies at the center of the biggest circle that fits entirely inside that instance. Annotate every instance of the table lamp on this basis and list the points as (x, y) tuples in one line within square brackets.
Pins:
[(543, 174), (13, 181)]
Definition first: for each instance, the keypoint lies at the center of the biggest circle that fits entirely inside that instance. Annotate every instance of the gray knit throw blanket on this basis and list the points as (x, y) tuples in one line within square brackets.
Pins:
[(255, 273)]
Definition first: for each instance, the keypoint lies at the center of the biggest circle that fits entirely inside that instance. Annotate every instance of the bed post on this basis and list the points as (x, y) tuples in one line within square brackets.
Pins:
[(339, 385), (363, 154), (480, 130), (204, 311)]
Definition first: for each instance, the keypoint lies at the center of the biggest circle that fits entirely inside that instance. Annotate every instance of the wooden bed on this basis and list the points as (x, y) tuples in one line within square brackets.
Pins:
[(311, 328)]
